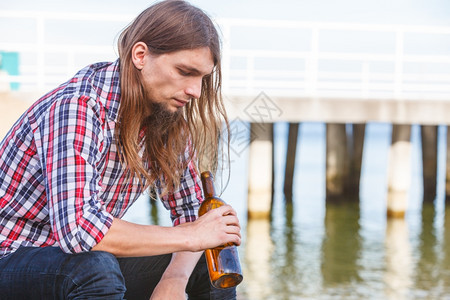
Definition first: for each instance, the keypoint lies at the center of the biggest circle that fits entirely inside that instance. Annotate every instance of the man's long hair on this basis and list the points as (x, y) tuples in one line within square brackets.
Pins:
[(166, 27)]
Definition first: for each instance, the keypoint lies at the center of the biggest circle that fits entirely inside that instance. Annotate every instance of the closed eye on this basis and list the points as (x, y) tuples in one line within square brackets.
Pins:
[(184, 73)]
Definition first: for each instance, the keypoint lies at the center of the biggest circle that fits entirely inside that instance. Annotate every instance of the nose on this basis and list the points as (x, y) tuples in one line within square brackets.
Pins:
[(194, 88)]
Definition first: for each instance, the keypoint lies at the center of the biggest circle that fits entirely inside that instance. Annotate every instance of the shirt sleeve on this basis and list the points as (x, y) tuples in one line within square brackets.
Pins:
[(184, 203), (71, 137)]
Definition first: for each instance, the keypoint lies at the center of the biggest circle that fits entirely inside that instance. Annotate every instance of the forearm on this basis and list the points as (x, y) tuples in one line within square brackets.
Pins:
[(129, 239), (182, 265), (217, 227), (174, 280)]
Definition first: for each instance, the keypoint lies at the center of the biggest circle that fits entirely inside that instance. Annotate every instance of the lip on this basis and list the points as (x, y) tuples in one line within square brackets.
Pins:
[(181, 102)]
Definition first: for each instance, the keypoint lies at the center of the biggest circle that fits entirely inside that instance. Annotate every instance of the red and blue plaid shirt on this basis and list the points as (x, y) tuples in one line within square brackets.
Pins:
[(61, 181)]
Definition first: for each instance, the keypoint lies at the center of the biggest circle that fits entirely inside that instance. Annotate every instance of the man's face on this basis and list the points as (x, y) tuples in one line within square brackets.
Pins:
[(173, 79)]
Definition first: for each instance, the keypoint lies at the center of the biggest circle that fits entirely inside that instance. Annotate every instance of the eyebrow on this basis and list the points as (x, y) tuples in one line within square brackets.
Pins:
[(192, 70)]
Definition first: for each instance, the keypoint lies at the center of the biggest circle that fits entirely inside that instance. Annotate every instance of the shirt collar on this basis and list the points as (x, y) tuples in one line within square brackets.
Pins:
[(107, 86)]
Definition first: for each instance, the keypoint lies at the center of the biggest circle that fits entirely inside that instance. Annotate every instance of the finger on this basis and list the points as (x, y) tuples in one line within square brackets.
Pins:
[(233, 230), (231, 221), (226, 210), (235, 239)]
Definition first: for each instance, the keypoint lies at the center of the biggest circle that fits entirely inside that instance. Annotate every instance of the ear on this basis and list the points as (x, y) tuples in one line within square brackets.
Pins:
[(138, 54)]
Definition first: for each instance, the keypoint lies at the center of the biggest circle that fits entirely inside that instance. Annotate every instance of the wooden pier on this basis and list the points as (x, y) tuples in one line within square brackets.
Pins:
[(346, 120), (404, 80)]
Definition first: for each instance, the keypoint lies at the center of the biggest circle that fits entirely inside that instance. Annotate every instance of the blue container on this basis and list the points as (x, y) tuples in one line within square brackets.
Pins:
[(9, 62)]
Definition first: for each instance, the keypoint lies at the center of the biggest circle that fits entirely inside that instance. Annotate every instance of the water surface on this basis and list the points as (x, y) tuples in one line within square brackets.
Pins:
[(344, 250)]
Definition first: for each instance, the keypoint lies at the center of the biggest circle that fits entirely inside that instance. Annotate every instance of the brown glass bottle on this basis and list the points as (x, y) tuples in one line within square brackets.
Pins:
[(223, 261)]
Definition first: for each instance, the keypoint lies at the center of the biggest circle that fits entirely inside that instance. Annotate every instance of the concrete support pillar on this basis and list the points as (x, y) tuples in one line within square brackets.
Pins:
[(345, 145), (290, 161), (399, 170), (336, 160), (429, 135), (260, 185)]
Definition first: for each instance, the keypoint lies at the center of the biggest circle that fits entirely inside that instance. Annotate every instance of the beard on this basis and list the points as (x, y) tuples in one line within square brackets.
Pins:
[(161, 120), (164, 138)]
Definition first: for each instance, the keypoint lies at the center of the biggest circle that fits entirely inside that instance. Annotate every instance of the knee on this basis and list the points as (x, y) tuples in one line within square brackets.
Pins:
[(97, 274), (100, 261), (102, 266)]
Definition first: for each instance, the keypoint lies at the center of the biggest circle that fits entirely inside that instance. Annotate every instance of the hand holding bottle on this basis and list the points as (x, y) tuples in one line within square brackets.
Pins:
[(217, 227), (223, 261)]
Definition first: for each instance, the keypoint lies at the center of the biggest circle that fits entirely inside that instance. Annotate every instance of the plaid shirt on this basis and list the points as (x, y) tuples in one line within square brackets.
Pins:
[(61, 181)]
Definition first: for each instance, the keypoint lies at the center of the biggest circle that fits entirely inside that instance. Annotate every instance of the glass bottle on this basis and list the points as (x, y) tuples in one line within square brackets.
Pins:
[(223, 262)]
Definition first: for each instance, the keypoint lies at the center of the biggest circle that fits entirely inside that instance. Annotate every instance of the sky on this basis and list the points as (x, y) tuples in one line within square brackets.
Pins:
[(385, 12), (410, 12)]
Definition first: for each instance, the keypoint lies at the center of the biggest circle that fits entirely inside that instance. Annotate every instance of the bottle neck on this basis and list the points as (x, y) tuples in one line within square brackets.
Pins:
[(208, 184)]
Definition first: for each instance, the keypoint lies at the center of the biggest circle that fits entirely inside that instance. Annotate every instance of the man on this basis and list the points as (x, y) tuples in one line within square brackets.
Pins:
[(79, 157)]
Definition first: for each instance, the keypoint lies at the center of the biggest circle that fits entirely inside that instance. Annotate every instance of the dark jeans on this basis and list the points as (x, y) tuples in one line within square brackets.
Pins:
[(48, 273)]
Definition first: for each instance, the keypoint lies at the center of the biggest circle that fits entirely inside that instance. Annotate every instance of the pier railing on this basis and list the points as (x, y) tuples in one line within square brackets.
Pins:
[(281, 58), (360, 61)]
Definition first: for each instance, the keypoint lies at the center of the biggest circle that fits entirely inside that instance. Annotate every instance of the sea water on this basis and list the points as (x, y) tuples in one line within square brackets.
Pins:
[(350, 250)]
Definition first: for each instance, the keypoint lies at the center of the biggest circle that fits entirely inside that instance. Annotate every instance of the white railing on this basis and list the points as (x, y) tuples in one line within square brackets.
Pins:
[(281, 58), (407, 73)]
